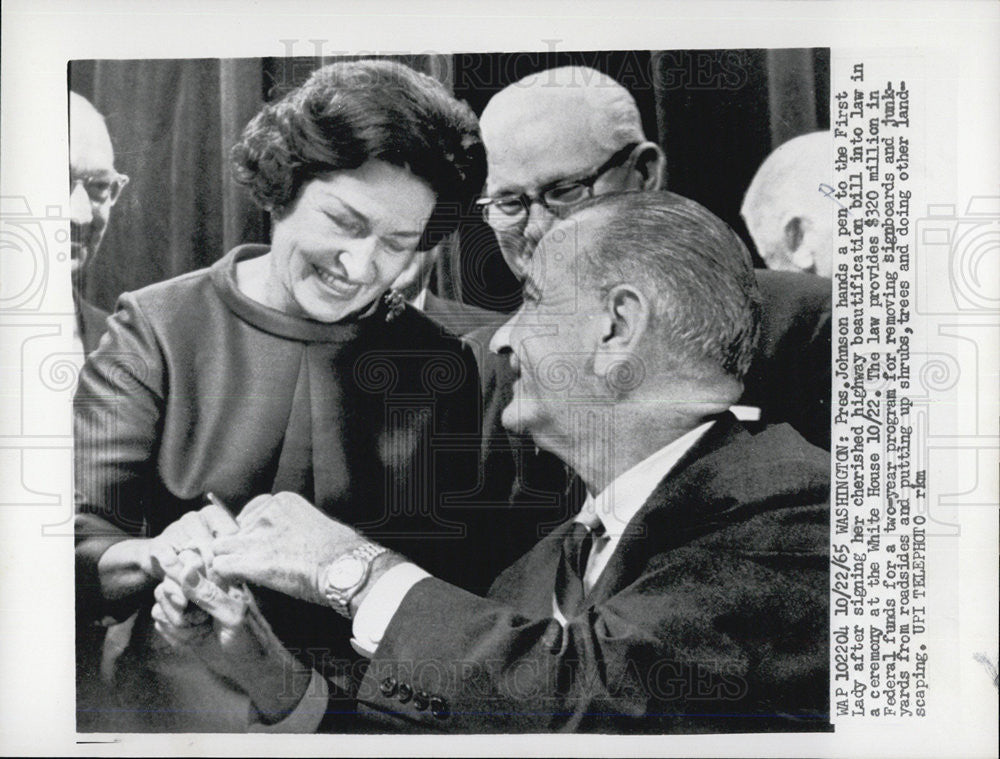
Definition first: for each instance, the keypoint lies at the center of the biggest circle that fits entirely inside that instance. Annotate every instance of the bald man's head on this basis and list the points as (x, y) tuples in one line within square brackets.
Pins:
[(592, 106), (789, 217), (556, 126), (94, 183)]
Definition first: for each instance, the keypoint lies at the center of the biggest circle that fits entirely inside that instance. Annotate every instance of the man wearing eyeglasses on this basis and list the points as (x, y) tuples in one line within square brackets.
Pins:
[(558, 137), (690, 593), (94, 188), (552, 140)]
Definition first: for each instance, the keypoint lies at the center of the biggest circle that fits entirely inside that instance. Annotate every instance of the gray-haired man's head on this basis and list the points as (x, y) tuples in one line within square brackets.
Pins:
[(552, 139), (94, 183), (789, 217)]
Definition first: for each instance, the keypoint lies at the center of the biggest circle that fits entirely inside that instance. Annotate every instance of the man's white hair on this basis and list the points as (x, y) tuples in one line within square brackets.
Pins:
[(87, 123), (80, 104), (611, 115), (787, 190)]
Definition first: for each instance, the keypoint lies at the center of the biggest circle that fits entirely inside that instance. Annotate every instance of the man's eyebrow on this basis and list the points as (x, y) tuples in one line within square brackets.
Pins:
[(544, 184), (575, 176)]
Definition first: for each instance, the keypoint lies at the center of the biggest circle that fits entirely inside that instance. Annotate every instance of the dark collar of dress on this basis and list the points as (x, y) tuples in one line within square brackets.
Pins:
[(276, 322)]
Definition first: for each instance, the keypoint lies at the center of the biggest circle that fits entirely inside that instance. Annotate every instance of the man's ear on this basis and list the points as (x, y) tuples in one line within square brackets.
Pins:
[(650, 164), (624, 324), (794, 233)]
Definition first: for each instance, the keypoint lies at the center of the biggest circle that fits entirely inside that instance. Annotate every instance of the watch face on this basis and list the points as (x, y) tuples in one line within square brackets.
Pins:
[(345, 573)]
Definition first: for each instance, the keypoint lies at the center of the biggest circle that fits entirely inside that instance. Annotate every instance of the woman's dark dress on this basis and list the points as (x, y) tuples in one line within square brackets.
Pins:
[(197, 388)]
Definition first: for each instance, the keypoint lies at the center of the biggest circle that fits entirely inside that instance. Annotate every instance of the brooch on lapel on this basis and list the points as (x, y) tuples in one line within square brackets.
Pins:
[(395, 302)]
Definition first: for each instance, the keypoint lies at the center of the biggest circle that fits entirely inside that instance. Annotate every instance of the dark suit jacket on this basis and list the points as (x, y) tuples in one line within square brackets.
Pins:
[(459, 318), (712, 615), (91, 692), (789, 380), (91, 321), (198, 388)]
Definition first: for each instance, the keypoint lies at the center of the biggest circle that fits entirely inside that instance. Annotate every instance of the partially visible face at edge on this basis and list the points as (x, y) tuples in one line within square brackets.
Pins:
[(345, 239), (91, 158), (791, 220)]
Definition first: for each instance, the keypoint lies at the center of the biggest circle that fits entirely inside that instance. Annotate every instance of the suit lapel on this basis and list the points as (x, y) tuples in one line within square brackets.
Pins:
[(666, 518), (529, 584), (91, 323)]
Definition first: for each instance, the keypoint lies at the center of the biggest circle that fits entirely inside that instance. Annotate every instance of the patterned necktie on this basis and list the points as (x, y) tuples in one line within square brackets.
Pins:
[(576, 548)]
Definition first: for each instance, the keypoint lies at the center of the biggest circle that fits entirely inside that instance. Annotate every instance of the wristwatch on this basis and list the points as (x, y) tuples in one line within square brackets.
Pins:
[(341, 579)]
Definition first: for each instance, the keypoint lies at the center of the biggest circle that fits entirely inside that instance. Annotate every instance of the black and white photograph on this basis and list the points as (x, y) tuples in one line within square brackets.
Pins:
[(508, 381), (419, 404)]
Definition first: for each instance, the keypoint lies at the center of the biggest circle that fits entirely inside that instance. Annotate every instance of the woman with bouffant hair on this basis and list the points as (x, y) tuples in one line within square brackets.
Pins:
[(350, 113), (286, 367)]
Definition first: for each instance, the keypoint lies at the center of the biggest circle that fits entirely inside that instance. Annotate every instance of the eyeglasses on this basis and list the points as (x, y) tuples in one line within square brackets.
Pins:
[(504, 211), (100, 188)]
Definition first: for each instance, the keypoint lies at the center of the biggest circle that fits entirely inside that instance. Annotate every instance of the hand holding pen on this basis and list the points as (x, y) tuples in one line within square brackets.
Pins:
[(188, 577)]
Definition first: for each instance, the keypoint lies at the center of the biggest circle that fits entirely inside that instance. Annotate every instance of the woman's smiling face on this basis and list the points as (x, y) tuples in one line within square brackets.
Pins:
[(345, 238)]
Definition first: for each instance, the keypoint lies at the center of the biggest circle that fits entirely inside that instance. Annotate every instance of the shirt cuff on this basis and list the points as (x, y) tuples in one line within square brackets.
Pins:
[(746, 413), (380, 605), (305, 717)]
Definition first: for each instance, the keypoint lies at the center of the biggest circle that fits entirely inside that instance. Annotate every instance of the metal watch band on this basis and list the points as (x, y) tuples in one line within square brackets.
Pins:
[(340, 599), (368, 552)]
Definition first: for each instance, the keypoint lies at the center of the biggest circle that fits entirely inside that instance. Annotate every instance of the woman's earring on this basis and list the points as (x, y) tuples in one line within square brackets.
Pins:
[(396, 303)]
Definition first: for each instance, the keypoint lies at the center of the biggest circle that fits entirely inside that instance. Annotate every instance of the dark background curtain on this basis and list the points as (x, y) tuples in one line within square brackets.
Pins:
[(717, 113)]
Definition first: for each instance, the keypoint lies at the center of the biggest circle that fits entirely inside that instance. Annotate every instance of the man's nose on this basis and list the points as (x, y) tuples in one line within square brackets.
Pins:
[(500, 343), (540, 219), (358, 259), (81, 211)]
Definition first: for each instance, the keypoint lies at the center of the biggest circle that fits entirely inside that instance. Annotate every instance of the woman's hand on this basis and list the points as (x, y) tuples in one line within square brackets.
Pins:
[(194, 532), (226, 630), (131, 566)]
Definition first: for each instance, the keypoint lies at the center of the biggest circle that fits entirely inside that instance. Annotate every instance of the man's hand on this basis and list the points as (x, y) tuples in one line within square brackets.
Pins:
[(282, 542), (226, 630)]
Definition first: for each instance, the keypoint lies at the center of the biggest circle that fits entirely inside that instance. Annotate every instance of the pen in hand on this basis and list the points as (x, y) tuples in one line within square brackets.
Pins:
[(234, 598)]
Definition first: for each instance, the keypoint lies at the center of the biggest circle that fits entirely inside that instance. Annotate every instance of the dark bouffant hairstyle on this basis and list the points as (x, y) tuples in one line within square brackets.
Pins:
[(348, 113)]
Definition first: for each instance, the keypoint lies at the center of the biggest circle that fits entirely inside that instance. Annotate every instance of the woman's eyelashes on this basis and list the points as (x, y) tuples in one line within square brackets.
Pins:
[(357, 229), (348, 226)]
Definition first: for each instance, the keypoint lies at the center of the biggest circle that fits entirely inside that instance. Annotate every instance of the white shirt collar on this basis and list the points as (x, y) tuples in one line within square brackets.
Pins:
[(421, 299), (615, 506)]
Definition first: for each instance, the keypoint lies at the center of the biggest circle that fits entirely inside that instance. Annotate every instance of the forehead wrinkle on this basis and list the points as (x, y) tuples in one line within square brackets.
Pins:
[(531, 280), (555, 260), (533, 157), (587, 230)]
